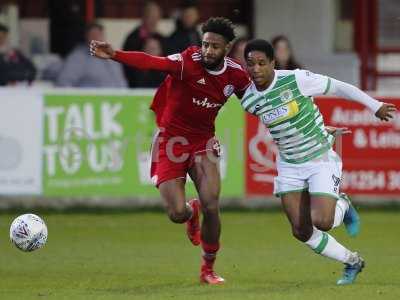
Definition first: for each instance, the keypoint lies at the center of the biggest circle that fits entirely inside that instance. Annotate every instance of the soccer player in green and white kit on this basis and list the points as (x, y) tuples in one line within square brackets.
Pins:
[(309, 171)]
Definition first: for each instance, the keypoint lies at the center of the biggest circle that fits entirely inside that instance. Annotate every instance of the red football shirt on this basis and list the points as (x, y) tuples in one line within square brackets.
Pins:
[(187, 102)]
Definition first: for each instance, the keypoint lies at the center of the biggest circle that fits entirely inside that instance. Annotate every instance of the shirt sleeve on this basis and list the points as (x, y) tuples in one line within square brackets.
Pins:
[(350, 92), (311, 84), (171, 64)]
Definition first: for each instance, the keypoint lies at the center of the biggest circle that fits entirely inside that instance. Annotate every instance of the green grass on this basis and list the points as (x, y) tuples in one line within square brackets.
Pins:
[(144, 256)]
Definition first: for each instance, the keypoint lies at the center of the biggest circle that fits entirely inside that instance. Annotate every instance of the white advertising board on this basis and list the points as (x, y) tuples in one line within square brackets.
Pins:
[(20, 142)]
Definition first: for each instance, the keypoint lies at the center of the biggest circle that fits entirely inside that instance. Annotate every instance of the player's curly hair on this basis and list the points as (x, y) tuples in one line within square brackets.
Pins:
[(259, 45), (220, 26)]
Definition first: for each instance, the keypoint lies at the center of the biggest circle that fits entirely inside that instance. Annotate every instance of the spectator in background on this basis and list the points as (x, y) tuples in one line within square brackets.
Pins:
[(186, 33), (82, 70), (150, 78), (284, 58), (237, 50), (135, 40), (15, 68)]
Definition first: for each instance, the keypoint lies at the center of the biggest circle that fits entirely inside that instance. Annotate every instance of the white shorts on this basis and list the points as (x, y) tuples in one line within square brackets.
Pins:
[(320, 176)]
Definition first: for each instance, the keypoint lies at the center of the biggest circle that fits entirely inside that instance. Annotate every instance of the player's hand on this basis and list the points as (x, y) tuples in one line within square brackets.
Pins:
[(101, 49), (336, 131), (385, 112)]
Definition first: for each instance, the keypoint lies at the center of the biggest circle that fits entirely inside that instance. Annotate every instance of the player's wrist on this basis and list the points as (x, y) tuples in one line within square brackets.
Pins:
[(114, 54), (376, 106)]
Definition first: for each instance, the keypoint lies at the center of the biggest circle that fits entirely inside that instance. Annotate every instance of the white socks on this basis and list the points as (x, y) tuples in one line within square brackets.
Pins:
[(324, 244), (341, 208)]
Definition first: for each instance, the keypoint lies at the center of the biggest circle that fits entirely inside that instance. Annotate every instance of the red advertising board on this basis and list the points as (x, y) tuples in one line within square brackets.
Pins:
[(370, 154)]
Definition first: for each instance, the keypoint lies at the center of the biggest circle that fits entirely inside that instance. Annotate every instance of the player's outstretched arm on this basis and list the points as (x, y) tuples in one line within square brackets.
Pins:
[(136, 59), (383, 111)]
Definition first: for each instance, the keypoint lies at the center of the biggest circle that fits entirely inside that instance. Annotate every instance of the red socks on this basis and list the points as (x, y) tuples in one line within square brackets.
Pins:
[(209, 255)]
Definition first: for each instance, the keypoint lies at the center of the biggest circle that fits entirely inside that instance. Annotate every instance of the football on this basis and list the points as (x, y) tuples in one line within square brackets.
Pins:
[(28, 232)]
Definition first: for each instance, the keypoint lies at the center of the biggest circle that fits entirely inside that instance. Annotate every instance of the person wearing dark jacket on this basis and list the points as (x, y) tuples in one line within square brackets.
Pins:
[(186, 33), (135, 40), (14, 66), (150, 78)]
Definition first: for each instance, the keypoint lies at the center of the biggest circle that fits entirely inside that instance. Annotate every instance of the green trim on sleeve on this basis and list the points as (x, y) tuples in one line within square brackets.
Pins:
[(328, 86)]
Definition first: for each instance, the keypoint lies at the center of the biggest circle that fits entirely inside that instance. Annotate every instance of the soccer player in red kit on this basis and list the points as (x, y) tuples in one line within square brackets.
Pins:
[(199, 82)]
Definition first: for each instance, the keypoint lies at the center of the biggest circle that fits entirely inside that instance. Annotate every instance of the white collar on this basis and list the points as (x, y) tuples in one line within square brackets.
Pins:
[(220, 71)]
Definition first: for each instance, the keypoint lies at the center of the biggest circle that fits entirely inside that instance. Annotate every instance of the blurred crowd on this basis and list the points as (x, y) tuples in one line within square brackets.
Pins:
[(79, 69)]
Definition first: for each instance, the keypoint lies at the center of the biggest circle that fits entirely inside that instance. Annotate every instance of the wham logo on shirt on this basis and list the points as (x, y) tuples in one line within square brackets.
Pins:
[(280, 113), (205, 103)]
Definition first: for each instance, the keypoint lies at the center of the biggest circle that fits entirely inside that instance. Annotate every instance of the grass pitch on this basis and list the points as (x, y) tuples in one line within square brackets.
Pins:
[(144, 256)]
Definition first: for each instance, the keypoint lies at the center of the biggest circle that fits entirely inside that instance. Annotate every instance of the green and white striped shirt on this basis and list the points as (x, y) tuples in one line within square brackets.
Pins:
[(287, 108)]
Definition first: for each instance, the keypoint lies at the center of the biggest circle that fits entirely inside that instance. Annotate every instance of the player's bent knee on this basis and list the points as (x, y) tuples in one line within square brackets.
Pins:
[(302, 233), (324, 224), (177, 216)]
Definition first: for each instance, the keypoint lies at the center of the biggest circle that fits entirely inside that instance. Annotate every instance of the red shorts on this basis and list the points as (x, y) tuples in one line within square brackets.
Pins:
[(172, 156)]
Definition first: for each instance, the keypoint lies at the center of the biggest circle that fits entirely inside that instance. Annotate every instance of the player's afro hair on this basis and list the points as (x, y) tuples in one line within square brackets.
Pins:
[(220, 26), (259, 45)]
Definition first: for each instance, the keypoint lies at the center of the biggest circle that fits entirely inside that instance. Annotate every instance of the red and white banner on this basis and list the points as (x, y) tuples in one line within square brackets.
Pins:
[(370, 154)]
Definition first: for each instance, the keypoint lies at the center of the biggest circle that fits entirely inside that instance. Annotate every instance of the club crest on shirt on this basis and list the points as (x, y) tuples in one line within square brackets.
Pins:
[(228, 90), (286, 95)]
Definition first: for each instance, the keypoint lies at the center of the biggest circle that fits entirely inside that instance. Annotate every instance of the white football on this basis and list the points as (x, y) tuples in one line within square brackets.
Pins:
[(28, 232)]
